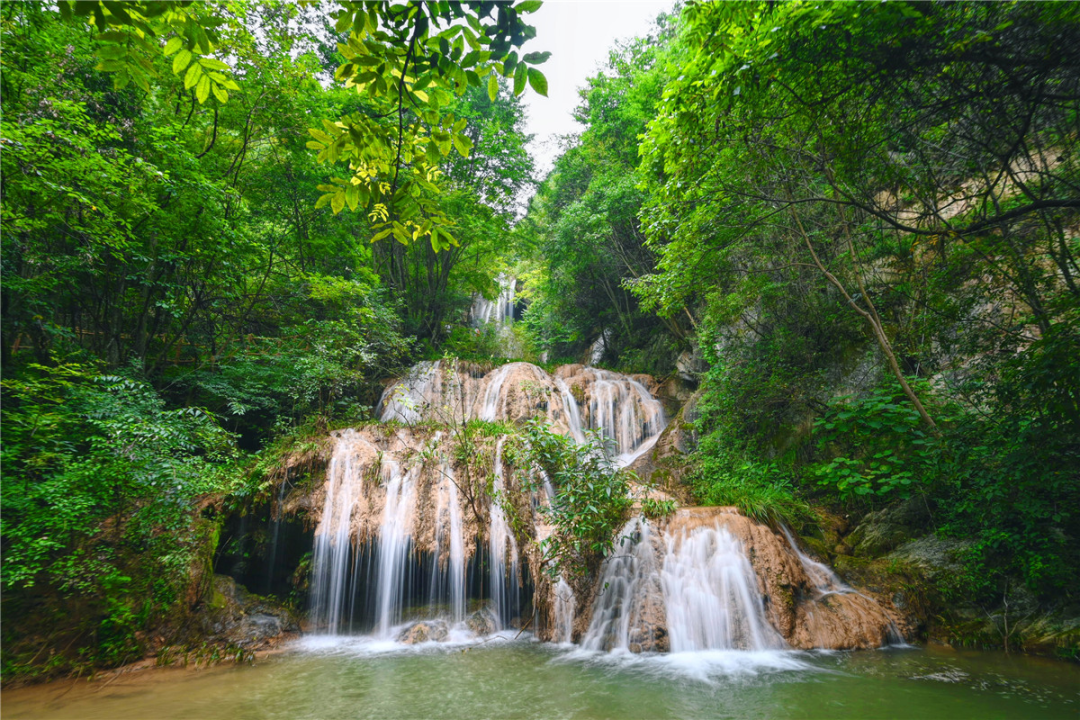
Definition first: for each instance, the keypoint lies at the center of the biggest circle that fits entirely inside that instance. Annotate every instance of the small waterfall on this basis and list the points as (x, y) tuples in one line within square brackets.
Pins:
[(711, 594), (573, 413), (628, 588), (332, 536), (395, 540), (406, 400), (821, 575), (565, 607), (490, 409), (448, 576), (625, 412), (504, 576), (499, 311), (275, 532)]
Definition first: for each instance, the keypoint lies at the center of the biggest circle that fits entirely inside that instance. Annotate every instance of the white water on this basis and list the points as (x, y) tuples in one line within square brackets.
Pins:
[(624, 577), (503, 558), (825, 580), (394, 542), (624, 411), (711, 596), (448, 579), (499, 311), (332, 536), (565, 608)]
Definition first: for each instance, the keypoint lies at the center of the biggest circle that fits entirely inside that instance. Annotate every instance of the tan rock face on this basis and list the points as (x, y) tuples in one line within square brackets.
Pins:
[(802, 602)]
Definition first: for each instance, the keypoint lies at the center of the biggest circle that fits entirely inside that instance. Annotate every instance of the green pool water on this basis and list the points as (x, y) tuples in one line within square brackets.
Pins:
[(333, 678)]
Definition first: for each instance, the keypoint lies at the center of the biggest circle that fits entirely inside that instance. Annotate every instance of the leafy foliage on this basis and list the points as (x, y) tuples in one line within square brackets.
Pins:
[(591, 502)]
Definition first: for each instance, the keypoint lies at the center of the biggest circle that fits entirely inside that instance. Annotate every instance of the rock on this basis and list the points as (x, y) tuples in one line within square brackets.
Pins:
[(424, 631), (932, 555), (482, 622), (884, 530), (234, 615)]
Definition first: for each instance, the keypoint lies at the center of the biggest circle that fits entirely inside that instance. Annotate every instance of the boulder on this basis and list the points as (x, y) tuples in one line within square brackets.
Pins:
[(424, 631), (887, 529), (234, 615), (482, 622)]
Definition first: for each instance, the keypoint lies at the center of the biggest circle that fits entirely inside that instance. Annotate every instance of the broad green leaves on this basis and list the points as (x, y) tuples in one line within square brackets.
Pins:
[(128, 37)]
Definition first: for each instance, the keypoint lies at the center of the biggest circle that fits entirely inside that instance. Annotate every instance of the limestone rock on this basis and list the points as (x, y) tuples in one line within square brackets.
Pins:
[(481, 622), (232, 614), (424, 631), (884, 530)]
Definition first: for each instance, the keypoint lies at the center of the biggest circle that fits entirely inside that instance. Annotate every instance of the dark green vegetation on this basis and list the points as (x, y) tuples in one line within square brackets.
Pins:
[(860, 220), (853, 228), (176, 293)]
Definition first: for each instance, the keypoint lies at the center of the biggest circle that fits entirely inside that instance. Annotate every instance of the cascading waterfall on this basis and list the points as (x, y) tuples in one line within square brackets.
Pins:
[(332, 537), (825, 581), (448, 578), (394, 543), (625, 593), (711, 595), (499, 311), (399, 539), (503, 555), (565, 608)]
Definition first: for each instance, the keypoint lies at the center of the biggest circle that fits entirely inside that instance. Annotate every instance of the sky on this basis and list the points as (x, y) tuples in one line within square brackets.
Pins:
[(579, 34)]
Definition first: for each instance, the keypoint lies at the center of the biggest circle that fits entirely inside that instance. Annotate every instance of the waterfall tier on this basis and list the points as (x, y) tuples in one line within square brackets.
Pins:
[(421, 521), (573, 399), (712, 579)]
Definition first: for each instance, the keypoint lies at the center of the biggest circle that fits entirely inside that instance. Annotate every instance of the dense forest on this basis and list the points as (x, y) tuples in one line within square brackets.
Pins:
[(850, 231)]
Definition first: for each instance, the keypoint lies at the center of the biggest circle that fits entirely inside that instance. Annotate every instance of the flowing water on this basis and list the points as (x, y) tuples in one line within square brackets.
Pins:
[(331, 679), (683, 620)]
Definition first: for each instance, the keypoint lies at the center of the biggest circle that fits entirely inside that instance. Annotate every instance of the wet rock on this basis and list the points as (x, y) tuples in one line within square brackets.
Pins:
[(231, 614), (884, 530), (482, 622), (935, 557), (424, 631)]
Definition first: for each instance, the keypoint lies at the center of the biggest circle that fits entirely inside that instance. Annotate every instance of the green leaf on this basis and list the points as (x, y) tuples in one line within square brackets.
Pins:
[(493, 87), (536, 58), (192, 76), (181, 60), (219, 93), (529, 6), (202, 89), (337, 203), (212, 64), (172, 46), (463, 144), (519, 79), (538, 82)]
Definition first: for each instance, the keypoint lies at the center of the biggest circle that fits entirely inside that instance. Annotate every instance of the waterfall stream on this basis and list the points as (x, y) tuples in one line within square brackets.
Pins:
[(412, 545)]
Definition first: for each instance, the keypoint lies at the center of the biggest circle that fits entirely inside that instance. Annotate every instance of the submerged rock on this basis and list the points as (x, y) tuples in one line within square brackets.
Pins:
[(424, 631)]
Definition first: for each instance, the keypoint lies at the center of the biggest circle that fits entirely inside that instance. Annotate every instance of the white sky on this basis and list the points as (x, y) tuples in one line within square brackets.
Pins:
[(579, 35)]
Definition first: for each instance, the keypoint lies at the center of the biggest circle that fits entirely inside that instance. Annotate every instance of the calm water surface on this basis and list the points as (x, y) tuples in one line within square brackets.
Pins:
[(335, 678)]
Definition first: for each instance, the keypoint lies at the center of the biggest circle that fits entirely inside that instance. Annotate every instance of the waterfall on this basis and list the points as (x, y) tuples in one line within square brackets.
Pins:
[(711, 594), (504, 577), (624, 411), (448, 578), (821, 575), (573, 413), (499, 311), (399, 539), (627, 591), (565, 607), (407, 399), (332, 536)]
